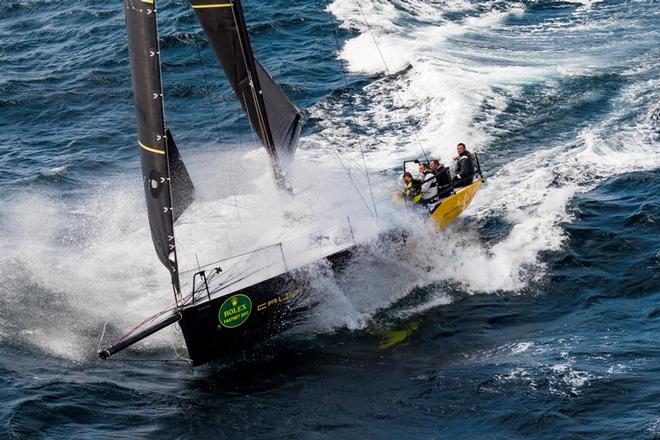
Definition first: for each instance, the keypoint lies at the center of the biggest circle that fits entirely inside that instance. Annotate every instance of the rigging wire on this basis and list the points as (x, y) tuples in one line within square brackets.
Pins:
[(216, 119), (230, 258), (352, 105), (254, 134), (105, 325), (346, 157), (396, 90), (191, 23), (350, 177)]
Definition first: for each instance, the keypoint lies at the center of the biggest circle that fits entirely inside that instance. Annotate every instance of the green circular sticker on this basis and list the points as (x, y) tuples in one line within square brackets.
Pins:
[(235, 311)]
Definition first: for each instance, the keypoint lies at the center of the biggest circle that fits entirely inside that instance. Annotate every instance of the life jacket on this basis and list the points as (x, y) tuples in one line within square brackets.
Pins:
[(413, 191), (429, 185), (428, 175)]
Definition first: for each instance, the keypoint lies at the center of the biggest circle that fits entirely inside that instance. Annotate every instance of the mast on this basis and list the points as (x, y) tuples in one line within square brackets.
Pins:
[(158, 153), (276, 120), (257, 93)]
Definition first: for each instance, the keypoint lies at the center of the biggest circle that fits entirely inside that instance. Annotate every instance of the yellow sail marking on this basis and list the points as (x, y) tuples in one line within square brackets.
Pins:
[(214, 5), (153, 150), (151, 2)]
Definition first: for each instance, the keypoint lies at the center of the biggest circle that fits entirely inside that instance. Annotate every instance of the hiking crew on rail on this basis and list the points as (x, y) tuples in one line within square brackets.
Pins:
[(434, 181), (464, 167)]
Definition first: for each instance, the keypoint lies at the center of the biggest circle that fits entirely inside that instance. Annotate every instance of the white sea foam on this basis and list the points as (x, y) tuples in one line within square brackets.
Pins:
[(89, 261), (457, 96), (543, 366), (437, 300), (74, 270), (522, 347)]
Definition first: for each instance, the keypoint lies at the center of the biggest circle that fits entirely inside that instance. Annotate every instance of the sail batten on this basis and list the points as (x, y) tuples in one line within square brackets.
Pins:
[(167, 186), (275, 119)]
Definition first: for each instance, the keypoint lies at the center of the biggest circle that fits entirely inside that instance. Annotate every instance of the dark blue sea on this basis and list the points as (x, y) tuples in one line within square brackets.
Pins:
[(535, 316)]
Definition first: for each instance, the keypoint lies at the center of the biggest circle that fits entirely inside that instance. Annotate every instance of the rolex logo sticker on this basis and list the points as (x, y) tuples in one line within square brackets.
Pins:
[(235, 311)]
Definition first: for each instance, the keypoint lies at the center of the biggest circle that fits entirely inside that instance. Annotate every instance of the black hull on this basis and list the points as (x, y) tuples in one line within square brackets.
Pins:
[(231, 323)]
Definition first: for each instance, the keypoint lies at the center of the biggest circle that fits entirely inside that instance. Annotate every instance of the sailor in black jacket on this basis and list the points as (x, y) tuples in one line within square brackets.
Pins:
[(442, 177), (464, 167)]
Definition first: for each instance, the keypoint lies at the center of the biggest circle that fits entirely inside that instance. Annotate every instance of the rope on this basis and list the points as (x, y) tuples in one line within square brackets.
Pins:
[(102, 335), (408, 119), (208, 96), (352, 105), (174, 348), (201, 63), (350, 177), (232, 257)]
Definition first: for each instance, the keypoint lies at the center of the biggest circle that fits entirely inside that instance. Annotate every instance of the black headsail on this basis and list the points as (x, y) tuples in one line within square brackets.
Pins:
[(163, 172), (275, 118)]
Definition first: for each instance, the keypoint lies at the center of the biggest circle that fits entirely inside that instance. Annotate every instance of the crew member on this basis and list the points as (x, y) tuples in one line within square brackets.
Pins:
[(442, 177), (429, 184), (412, 189), (464, 167)]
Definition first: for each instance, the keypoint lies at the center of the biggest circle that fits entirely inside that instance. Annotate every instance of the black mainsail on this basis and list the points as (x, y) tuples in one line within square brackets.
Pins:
[(276, 120), (164, 174)]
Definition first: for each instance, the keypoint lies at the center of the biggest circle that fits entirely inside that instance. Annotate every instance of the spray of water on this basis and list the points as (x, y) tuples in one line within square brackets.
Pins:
[(82, 261)]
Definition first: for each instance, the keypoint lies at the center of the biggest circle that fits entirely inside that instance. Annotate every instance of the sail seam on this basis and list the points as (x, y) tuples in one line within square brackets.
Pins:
[(153, 150)]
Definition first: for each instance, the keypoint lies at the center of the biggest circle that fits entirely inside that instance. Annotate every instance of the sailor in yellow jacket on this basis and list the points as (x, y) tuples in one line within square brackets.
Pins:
[(412, 191)]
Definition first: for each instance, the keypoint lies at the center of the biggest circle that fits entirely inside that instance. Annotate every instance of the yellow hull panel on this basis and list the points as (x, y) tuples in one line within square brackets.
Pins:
[(392, 338), (452, 206)]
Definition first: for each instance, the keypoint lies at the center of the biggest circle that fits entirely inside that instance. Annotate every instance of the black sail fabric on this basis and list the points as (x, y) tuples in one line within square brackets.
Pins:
[(182, 187), (225, 28), (285, 119), (144, 54)]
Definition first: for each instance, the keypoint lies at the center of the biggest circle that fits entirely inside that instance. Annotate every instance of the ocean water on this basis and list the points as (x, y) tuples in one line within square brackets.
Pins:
[(536, 315)]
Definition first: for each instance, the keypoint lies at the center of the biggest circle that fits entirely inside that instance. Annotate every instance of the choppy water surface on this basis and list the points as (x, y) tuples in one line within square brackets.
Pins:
[(534, 316)]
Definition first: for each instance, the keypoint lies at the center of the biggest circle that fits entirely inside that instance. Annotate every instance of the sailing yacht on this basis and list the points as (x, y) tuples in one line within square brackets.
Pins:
[(230, 304)]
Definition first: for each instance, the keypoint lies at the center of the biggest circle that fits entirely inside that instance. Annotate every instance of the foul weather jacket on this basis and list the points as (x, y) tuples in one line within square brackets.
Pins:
[(412, 189), (429, 185), (464, 166), (443, 177)]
